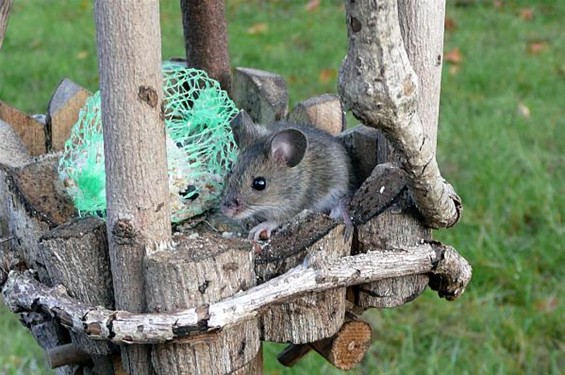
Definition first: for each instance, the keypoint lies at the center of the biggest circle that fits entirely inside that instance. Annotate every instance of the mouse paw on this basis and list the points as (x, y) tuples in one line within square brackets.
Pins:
[(340, 211), (256, 231)]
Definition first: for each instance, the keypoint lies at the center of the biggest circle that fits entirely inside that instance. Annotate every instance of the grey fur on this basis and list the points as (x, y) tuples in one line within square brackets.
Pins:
[(320, 178)]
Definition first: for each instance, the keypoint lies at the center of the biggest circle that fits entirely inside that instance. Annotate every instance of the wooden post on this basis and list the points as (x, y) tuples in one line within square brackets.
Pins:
[(5, 6), (76, 256), (206, 38), (129, 58), (206, 269)]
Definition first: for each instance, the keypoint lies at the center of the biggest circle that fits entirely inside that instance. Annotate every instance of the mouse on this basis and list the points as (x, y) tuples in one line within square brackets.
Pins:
[(283, 170)]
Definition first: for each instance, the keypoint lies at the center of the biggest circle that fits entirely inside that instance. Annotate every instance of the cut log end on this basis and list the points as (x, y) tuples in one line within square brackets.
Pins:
[(344, 350)]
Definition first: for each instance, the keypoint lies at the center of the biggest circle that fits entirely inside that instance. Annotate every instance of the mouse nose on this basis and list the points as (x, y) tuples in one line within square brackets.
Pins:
[(231, 205)]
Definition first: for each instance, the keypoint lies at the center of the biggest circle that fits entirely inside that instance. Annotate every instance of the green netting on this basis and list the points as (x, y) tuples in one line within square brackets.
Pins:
[(200, 146)]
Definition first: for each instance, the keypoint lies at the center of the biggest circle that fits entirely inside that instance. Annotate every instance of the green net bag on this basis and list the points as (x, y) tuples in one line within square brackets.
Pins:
[(200, 146)]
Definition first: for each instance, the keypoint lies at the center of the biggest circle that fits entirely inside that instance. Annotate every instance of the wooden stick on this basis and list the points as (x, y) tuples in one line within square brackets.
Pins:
[(65, 355), (5, 6), (22, 292), (379, 85), (131, 91), (206, 40)]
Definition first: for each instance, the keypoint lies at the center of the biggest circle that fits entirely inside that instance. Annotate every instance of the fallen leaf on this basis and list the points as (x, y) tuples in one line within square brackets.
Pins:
[(454, 56), (527, 14), (524, 110), (537, 47), (313, 5), (258, 28), (454, 69), (327, 75), (498, 4), (450, 24), (547, 305), (82, 55)]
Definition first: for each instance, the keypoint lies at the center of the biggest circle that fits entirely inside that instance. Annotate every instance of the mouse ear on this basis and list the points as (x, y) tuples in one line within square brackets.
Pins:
[(243, 129), (289, 146)]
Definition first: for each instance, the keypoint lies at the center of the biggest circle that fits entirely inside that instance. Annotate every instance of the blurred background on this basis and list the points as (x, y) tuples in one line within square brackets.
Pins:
[(501, 143)]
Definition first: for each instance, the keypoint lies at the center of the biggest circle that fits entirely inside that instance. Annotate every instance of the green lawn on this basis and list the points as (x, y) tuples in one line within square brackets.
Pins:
[(500, 143)]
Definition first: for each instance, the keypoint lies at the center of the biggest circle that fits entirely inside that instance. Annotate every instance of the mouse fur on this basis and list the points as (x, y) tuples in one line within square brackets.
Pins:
[(283, 170)]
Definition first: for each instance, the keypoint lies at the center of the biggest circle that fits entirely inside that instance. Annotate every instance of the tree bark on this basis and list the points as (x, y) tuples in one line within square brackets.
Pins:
[(206, 38), (129, 58)]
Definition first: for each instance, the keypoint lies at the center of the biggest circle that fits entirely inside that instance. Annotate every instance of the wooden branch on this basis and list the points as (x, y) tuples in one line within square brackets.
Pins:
[(23, 292), (377, 82), (206, 38), (67, 354), (137, 191), (5, 6)]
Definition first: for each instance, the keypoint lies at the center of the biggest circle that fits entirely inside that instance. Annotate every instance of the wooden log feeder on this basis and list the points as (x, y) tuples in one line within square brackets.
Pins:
[(130, 295)]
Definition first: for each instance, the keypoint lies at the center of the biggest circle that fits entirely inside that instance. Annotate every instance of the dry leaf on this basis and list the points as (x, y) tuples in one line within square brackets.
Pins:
[(524, 110), (258, 28), (547, 305), (454, 56), (327, 75), (82, 55), (450, 24), (313, 5), (527, 14), (537, 47), (454, 69), (498, 4)]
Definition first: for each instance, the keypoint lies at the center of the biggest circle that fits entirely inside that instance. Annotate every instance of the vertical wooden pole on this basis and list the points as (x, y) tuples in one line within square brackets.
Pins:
[(5, 6), (421, 25), (129, 58), (206, 38)]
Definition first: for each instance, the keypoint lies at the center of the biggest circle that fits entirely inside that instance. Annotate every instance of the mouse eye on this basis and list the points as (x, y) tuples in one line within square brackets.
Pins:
[(259, 183)]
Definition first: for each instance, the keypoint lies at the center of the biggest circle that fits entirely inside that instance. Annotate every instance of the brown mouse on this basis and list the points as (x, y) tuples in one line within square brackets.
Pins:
[(283, 170)]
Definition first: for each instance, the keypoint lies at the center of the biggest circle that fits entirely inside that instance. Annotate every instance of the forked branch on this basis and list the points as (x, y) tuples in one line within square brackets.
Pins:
[(377, 82)]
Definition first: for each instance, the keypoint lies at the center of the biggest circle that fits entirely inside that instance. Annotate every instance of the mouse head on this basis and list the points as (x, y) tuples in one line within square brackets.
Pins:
[(267, 176)]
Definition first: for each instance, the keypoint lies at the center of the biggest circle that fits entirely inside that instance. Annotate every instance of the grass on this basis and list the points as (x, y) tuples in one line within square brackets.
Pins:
[(500, 143)]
